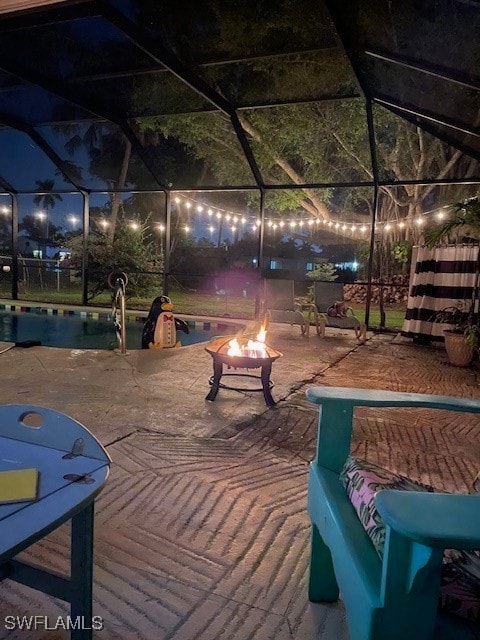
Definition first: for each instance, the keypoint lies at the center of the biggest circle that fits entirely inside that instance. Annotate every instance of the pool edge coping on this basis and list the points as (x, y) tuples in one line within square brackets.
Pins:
[(105, 313)]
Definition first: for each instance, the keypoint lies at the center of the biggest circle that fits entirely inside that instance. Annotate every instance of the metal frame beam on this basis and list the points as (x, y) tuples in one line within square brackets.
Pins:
[(183, 73), (288, 103), (213, 63), (373, 154), (425, 183), (331, 7), (21, 125), (66, 94), (435, 71), (409, 110), (46, 16), (443, 137), (471, 3), (238, 108), (14, 200), (6, 189)]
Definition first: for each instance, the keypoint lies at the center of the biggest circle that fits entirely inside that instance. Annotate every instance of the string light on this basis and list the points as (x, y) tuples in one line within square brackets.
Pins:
[(300, 223)]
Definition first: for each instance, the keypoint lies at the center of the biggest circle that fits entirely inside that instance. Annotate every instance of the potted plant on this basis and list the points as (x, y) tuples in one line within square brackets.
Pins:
[(463, 333)]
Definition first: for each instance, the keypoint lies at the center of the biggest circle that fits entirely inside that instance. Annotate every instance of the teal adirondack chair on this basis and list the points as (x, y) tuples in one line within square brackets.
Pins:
[(394, 598)]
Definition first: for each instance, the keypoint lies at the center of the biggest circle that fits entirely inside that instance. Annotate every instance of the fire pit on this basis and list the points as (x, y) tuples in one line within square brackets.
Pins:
[(242, 353)]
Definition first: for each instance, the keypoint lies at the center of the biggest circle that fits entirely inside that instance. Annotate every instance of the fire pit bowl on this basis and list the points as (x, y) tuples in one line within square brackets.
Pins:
[(251, 355)]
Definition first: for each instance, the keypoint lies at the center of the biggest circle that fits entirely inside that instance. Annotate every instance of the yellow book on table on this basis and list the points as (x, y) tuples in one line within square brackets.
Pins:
[(18, 485)]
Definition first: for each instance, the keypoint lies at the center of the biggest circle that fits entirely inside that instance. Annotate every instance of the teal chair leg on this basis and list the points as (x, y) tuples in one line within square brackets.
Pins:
[(410, 584), (82, 573), (322, 585)]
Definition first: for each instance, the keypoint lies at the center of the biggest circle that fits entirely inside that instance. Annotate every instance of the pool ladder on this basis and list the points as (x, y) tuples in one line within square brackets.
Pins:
[(118, 282)]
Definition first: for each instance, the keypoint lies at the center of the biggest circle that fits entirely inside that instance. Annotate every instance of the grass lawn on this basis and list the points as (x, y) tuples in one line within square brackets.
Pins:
[(196, 303)]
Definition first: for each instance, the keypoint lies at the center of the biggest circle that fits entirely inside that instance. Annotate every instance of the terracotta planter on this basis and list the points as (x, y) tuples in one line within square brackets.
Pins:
[(459, 353)]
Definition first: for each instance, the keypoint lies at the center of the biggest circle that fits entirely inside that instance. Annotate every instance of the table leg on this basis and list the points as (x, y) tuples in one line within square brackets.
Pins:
[(265, 372), (82, 573), (217, 374)]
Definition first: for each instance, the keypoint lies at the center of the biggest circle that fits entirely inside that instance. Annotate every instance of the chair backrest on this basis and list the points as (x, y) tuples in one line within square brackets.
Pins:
[(279, 294), (326, 293)]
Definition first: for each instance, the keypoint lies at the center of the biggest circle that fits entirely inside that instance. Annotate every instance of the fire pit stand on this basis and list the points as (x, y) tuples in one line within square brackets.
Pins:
[(218, 348)]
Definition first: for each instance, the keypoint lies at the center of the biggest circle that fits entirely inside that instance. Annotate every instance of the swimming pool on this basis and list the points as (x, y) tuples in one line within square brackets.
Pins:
[(83, 332)]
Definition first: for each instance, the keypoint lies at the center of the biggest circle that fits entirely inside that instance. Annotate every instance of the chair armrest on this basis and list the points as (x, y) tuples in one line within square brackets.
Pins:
[(441, 520), (374, 398)]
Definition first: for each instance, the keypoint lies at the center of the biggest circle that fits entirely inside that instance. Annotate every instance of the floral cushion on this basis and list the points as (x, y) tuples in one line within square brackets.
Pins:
[(460, 580)]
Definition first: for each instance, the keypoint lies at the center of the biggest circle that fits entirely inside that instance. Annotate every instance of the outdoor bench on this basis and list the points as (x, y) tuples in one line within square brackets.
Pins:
[(393, 597)]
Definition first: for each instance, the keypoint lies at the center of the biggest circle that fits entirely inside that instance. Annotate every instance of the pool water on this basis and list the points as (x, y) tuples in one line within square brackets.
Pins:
[(76, 332)]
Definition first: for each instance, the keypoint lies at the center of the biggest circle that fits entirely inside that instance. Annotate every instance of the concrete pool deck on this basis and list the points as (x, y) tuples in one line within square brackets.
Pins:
[(201, 530)]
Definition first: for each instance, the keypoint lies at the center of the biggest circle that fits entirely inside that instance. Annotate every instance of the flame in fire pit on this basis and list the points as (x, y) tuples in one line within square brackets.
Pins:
[(250, 349)]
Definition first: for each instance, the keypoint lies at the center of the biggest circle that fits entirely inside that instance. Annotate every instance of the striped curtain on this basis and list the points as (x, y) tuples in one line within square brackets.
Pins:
[(439, 278)]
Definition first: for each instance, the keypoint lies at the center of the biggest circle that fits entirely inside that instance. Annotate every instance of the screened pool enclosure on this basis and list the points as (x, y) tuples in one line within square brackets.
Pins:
[(204, 146)]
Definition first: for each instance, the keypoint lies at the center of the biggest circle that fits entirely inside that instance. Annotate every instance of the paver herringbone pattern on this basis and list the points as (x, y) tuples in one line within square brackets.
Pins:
[(207, 538)]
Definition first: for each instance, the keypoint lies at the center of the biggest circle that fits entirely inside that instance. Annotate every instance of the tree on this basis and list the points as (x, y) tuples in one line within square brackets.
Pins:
[(109, 152), (299, 143), (131, 251), (35, 227), (322, 271), (47, 200)]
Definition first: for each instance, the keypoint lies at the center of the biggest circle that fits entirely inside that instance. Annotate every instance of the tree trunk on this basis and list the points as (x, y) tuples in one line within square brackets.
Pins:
[(116, 197)]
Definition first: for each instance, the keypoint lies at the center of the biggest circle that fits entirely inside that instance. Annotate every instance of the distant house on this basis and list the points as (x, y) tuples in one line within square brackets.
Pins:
[(30, 247)]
